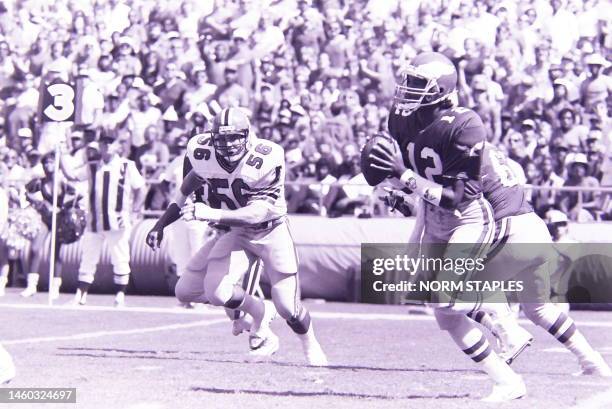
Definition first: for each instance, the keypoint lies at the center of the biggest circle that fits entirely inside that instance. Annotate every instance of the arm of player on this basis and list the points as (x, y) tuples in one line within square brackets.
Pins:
[(254, 213), (173, 212), (261, 199), (392, 162)]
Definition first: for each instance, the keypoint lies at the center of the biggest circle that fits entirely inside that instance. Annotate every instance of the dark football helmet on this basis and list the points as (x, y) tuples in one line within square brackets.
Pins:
[(429, 79)]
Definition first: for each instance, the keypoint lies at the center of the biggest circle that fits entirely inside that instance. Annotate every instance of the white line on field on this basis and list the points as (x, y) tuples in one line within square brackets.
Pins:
[(602, 400), (98, 334), (214, 311)]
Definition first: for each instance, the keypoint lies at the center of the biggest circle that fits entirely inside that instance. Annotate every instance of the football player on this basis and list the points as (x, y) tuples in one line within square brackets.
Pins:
[(439, 159), (517, 223), (246, 176)]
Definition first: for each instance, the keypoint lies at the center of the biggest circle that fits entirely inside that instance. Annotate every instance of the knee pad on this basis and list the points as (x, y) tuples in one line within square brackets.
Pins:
[(300, 322)]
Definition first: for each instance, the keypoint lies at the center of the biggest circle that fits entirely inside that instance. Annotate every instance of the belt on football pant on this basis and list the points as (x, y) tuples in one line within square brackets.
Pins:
[(259, 226)]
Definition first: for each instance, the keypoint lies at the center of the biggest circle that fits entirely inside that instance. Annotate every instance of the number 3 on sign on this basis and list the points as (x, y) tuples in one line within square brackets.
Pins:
[(62, 106)]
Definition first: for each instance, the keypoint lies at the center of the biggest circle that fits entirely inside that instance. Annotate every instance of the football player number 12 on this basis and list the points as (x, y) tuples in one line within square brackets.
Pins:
[(427, 153), (62, 107)]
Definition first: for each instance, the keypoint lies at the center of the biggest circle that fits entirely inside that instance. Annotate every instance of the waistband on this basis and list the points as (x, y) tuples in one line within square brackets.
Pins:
[(268, 224)]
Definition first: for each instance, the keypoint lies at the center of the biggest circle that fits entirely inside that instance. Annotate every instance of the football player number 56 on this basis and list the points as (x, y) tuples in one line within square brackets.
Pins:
[(62, 107)]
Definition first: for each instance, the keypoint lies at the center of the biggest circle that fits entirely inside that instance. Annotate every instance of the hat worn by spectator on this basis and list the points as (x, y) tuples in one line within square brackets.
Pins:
[(528, 123), (576, 158), (596, 59), (554, 216)]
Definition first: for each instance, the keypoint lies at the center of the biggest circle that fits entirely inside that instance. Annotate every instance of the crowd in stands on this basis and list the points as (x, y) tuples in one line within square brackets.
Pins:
[(318, 77)]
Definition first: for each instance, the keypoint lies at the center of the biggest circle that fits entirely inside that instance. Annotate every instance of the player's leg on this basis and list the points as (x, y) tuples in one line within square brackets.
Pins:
[(190, 286), (118, 242), (220, 282), (7, 367), (279, 255), (464, 332), (535, 301), (252, 267), (91, 247), (472, 237)]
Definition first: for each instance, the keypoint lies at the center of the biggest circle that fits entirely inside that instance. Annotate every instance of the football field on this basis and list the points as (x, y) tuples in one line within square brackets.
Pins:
[(155, 355)]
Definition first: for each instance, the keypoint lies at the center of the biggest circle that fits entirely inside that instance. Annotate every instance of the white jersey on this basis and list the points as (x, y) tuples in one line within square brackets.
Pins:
[(258, 176)]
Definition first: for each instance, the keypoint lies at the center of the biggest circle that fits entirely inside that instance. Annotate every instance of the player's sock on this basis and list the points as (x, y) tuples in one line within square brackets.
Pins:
[(565, 331), (560, 326), (301, 324), (483, 319), (242, 301), (474, 344)]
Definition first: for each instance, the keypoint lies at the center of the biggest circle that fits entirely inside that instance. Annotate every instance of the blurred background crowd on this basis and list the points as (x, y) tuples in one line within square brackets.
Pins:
[(318, 77)]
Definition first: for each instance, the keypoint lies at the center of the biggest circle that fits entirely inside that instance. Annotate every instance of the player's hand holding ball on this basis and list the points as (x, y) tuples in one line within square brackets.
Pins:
[(381, 159)]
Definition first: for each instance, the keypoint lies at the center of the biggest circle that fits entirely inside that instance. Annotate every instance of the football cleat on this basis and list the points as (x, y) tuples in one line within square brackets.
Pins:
[(507, 391), (512, 342), (263, 346), (594, 366)]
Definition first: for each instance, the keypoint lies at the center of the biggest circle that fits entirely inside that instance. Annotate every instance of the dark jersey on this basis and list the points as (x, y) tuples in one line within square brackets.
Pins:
[(501, 186), (445, 150)]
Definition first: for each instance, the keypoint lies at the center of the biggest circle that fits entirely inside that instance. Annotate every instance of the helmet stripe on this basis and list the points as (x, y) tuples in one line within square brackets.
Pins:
[(226, 116)]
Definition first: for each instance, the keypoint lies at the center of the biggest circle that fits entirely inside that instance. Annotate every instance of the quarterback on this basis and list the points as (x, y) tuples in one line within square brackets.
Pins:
[(244, 180), (439, 158), (515, 222)]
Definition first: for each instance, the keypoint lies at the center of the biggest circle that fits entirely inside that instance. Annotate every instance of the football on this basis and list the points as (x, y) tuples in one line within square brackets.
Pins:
[(373, 175)]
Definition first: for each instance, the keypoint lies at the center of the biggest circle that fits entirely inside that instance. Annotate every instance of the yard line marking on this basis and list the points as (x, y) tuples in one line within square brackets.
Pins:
[(602, 400), (98, 334), (216, 311)]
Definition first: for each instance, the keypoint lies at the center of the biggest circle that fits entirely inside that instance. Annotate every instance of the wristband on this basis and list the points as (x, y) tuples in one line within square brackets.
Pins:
[(172, 214), (214, 215), (428, 190)]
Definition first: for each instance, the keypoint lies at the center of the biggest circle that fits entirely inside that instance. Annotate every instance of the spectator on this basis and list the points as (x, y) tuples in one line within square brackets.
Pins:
[(141, 119), (546, 198), (580, 206), (230, 93), (570, 131), (597, 86)]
